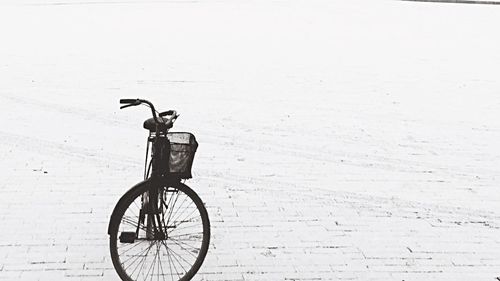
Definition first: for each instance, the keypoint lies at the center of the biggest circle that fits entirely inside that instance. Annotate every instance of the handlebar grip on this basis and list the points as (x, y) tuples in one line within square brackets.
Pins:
[(128, 100)]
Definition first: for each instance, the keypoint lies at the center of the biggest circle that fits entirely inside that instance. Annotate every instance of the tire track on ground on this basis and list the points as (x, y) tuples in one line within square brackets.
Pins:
[(387, 206)]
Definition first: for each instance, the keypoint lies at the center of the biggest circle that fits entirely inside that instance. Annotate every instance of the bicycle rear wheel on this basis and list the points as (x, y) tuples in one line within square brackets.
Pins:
[(159, 233)]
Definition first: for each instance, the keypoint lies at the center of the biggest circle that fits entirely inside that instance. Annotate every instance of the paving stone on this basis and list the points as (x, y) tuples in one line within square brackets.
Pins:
[(327, 151)]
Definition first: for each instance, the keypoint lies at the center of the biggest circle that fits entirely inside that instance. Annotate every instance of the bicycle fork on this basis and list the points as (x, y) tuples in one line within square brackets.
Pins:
[(153, 206), (154, 215)]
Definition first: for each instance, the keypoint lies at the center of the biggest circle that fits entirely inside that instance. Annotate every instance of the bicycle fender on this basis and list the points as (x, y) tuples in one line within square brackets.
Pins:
[(140, 185)]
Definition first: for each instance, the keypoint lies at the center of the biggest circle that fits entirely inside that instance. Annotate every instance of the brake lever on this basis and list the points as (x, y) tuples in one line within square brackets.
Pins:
[(167, 113), (175, 118), (130, 104), (127, 105)]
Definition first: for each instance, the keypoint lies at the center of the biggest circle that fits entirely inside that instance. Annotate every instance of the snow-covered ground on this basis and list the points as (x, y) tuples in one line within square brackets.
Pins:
[(352, 140)]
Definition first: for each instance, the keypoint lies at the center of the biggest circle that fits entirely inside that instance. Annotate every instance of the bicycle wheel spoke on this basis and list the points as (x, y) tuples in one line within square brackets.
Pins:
[(170, 265), (184, 227), (177, 230), (184, 243), (184, 250), (173, 208), (152, 263), (186, 234), (181, 205), (183, 212), (133, 213), (134, 257), (140, 258), (143, 261), (137, 206), (175, 256), (171, 196), (188, 251), (160, 266), (129, 247), (187, 216), (168, 252), (135, 225)]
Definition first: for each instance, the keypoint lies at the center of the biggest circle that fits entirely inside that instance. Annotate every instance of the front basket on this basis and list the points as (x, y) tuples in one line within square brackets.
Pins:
[(182, 149)]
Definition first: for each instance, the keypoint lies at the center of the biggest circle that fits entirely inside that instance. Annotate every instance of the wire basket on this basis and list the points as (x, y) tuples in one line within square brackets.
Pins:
[(182, 149)]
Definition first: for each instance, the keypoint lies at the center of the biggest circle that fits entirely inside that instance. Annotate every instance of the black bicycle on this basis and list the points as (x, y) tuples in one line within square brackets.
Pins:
[(159, 229)]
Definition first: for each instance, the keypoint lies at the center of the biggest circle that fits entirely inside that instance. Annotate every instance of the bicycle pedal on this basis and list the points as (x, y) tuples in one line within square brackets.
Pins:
[(127, 237)]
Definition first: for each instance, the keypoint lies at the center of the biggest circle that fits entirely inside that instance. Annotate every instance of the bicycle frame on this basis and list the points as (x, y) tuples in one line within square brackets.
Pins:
[(152, 201), (156, 173)]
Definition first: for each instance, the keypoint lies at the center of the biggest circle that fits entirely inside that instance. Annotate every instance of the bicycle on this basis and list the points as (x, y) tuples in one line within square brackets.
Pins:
[(159, 229)]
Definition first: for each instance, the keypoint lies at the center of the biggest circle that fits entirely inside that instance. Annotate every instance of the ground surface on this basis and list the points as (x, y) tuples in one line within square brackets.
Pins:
[(339, 140)]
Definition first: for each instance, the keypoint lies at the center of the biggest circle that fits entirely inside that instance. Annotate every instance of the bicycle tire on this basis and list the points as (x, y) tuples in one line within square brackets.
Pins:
[(120, 253)]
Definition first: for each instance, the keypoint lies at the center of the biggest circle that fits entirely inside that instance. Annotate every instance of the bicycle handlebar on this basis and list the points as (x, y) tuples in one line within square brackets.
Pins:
[(128, 100), (134, 102)]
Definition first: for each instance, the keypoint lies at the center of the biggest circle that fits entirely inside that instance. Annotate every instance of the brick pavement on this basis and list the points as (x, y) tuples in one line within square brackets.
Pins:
[(262, 229), (373, 174)]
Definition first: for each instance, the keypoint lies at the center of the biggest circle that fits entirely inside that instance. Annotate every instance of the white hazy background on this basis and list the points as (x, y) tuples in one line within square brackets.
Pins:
[(387, 101)]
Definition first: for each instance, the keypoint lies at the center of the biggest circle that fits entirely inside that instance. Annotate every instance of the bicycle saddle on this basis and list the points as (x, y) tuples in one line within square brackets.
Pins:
[(150, 124)]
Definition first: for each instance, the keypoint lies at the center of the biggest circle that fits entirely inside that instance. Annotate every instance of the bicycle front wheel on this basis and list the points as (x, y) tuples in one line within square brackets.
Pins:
[(159, 233)]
